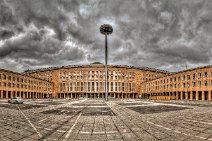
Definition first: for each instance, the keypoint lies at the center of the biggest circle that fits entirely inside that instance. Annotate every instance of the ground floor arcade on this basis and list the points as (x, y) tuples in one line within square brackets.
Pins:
[(98, 95), (181, 95), (4, 94)]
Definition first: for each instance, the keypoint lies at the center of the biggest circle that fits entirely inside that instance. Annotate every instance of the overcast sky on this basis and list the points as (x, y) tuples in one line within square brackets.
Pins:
[(162, 34)]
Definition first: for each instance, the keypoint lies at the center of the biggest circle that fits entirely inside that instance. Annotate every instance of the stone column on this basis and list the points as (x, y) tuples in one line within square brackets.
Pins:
[(181, 95), (197, 95), (1, 94), (177, 95), (209, 95), (203, 95), (191, 95), (186, 95), (6, 94)]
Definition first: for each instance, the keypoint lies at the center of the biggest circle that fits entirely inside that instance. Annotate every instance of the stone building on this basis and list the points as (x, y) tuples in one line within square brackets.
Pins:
[(89, 80), (191, 84), (13, 84), (123, 82)]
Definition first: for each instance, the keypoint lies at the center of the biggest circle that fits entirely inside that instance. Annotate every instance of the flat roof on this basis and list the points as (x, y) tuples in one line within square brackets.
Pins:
[(187, 70), (96, 65), (23, 74)]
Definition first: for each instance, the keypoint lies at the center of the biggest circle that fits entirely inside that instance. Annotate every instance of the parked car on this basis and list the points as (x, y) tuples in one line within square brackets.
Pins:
[(16, 100)]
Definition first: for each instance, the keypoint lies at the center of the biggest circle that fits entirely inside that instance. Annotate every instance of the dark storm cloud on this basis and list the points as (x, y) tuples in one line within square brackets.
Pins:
[(164, 34)]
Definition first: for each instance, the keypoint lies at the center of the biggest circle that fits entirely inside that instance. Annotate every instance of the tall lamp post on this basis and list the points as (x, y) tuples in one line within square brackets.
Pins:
[(106, 29)]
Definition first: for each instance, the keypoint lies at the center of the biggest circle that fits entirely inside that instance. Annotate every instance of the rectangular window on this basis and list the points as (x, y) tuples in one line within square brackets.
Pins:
[(9, 77), (188, 77), (101, 89), (97, 87), (81, 86), (70, 86), (92, 86), (111, 86), (89, 86), (85, 86), (206, 83), (199, 75), (184, 77), (205, 74), (184, 85)]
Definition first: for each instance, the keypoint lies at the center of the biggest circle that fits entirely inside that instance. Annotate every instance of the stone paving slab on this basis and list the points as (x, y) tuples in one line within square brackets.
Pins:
[(97, 120)]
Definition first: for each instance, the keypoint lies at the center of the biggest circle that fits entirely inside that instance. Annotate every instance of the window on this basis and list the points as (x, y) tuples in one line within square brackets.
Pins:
[(188, 77), (206, 83), (4, 77), (184, 85), (194, 76), (9, 77), (9, 84), (194, 84), (183, 77), (188, 85), (205, 74), (199, 75), (111, 86)]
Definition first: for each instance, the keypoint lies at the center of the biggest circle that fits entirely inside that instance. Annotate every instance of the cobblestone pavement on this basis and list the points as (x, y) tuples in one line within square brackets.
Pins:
[(97, 120)]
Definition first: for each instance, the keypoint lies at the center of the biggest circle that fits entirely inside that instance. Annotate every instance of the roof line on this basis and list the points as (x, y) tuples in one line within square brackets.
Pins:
[(23, 74), (198, 68), (96, 65)]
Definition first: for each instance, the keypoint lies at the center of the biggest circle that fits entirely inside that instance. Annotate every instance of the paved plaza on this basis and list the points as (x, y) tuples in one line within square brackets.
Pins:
[(97, 120)]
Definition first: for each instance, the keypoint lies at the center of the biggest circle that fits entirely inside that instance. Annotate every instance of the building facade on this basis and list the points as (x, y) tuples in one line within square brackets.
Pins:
[(123, 82), (89, 80), (192, 84), (14, 84)]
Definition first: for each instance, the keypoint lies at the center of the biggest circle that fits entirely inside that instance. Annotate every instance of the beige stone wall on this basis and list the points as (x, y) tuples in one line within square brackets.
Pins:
[(75, 80), (16, 84), (194, 82)]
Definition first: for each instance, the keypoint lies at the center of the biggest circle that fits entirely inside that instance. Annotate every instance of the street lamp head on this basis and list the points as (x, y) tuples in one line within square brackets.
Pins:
[(106, 29)]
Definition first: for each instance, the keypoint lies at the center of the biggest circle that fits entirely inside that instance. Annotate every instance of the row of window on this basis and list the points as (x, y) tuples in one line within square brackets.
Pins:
[(184, 78), (183, 85), (14, 85), (96, 77), (149, 76), (96, 86), (19, 79), (96, 73)]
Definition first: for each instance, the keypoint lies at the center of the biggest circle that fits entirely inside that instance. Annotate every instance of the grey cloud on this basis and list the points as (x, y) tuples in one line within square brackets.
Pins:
[(153, 33)]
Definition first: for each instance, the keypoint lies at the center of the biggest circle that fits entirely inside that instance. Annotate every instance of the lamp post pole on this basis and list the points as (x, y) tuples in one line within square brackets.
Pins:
[(106, 70), (106, 29)]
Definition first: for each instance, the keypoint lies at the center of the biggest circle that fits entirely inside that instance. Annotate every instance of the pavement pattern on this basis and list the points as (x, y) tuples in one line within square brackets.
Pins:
[(98, 120)]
